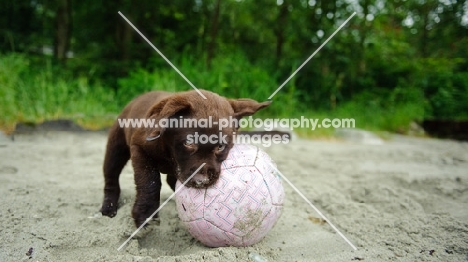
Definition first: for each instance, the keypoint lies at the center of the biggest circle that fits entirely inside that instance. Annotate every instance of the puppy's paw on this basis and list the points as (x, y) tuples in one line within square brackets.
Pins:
[(148, 228), (142, 211), (109, 208), (155, 221)]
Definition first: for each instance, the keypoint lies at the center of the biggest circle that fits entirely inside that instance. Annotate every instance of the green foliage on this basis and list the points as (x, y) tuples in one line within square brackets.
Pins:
[(32, 94), (395, 62), (231, 76), (390, 111), (445, 83)]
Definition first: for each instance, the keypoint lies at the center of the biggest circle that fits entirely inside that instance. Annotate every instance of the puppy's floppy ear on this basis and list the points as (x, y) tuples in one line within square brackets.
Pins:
[(164, 110), (246, 107)]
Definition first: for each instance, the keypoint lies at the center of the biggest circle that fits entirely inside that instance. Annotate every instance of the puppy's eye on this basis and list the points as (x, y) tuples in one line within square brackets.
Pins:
[(188, 143), (221, 147)]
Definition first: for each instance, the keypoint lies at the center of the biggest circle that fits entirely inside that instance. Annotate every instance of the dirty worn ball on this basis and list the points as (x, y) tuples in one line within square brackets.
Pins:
[(241, 207)]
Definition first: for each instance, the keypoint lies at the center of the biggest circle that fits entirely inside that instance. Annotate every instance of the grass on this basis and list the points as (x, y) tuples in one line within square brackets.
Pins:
[(31, 93), (33, 96), (232, 76)]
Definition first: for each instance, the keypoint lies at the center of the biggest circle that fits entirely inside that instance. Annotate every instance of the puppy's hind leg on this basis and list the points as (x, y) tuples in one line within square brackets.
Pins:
[(117, 155)]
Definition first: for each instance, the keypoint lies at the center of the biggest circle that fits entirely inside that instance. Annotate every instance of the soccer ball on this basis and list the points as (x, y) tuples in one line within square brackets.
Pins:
[(241, 207)]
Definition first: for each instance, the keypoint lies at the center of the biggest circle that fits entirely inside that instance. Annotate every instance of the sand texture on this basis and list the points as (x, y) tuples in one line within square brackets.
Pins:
[(405, 199)]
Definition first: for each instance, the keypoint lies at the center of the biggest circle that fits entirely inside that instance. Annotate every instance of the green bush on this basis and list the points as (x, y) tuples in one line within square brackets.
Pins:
[(34, 94), (33, 91), (232, 76), (385, 110), (445, 85)]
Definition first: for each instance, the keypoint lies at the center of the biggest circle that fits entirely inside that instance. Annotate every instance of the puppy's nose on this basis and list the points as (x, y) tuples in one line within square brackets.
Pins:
[(201, 179)]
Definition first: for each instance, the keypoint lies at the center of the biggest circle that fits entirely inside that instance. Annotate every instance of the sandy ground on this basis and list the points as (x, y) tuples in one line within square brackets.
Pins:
[(405, 200)]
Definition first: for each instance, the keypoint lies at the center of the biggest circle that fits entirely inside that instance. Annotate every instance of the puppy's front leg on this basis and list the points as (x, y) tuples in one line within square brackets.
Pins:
[(148, 185)]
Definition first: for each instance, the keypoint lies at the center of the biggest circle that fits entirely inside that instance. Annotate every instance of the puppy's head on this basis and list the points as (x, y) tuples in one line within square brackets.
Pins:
[(195, 132)]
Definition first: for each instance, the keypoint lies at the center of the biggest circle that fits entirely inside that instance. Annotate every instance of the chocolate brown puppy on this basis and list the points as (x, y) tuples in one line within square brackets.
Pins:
[(177, 151)]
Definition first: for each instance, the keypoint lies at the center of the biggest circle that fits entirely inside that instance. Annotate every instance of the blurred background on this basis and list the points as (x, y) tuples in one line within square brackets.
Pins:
[(396, 64)]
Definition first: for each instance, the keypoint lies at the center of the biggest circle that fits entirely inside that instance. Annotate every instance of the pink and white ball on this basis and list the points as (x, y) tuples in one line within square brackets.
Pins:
[(241, 207)]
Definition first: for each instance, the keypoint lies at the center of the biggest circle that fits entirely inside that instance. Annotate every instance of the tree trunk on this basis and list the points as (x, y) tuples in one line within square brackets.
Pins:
[(424, 38), (282, 16), (124, 34), (362, 41), (213, 34), (62, 30)]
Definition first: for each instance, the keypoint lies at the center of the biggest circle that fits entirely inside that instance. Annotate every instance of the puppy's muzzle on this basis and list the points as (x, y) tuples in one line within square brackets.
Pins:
[(204, 178), (200, 180)]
